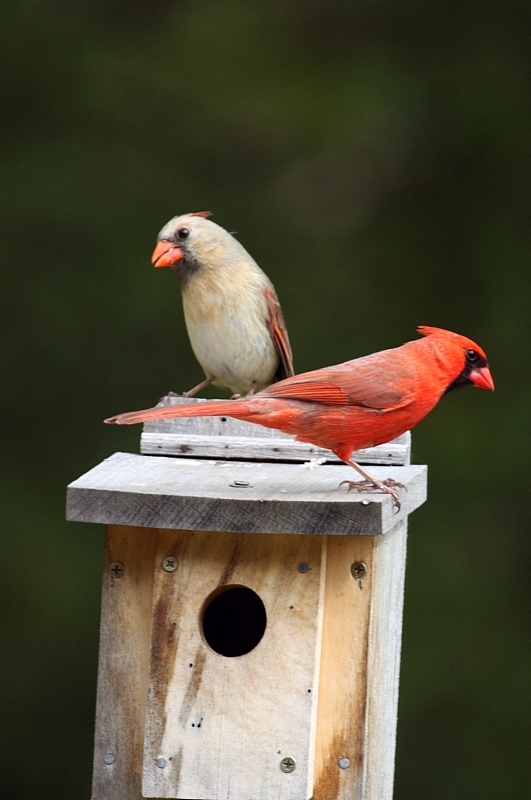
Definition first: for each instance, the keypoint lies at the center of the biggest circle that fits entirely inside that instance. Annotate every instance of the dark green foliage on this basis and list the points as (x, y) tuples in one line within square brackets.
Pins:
[(374, 157)]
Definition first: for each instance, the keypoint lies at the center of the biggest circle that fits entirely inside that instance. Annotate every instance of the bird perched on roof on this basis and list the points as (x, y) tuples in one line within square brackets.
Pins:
[(357, 404), (231, 310)]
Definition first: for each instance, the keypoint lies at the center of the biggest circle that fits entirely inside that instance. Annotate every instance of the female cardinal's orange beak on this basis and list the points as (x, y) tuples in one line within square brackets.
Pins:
[(166, 254), (482, 378)]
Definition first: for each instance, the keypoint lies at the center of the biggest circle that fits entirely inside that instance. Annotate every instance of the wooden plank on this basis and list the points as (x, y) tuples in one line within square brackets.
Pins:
[(221, 724), (343, 676), (123, 664), (224, 437), (211, 426), (190, 445), (129, 489), (358, 695), (383, 666)]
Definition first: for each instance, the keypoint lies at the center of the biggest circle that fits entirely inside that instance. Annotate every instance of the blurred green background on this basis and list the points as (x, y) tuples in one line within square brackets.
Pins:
[(374, 157)]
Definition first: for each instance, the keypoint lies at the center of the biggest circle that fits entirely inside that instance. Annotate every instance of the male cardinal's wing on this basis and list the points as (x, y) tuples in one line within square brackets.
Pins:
[(368, 382), (277, 329)]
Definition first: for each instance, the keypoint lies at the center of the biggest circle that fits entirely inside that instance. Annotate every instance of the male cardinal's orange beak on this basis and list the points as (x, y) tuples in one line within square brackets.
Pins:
[(166, 254), (482, 378)]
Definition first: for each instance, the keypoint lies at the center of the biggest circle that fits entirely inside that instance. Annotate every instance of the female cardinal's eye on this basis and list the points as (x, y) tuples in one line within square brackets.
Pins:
[(183, 233)]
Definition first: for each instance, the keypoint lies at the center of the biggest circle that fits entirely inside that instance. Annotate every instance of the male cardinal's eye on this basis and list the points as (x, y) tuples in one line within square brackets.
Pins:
[(472, 355), (183, 233)]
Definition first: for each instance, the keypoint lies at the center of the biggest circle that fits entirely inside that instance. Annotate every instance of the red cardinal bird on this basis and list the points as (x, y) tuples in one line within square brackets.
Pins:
[(231, 309), (360, 403)]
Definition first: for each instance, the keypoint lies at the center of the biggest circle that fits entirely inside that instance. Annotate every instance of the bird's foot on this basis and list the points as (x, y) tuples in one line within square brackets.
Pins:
[(388, 486), (250, 393), (170, 394)]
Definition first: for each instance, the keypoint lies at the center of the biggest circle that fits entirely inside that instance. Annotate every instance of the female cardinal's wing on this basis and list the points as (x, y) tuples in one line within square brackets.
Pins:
[(279, 334), (369, 382)]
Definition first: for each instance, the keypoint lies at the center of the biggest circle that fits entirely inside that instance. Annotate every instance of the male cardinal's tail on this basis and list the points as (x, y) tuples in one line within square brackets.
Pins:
[(228, 408)]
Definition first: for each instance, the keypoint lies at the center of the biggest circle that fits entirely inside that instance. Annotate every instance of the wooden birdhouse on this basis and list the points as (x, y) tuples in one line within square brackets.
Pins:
[(251, 616)]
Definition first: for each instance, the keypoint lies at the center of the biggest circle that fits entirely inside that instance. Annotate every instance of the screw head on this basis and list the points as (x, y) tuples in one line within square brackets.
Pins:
[(303, 567), (239, 484), (287, 764), (108, 759), (169, 564), (117, 569), (161, 762), (358, 570), (344, 763)]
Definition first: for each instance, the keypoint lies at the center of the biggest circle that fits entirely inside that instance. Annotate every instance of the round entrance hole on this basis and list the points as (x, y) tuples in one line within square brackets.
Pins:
[(233, 621)]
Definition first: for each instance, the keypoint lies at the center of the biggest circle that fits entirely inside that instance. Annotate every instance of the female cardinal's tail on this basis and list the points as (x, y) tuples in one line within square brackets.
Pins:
[(227, 408)]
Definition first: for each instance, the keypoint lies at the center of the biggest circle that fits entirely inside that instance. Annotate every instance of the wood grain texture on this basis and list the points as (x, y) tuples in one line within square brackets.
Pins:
[(224, 724), (383, 666), (194, 494), (224, 437), (343, 676), (358, 695), (321, 686), (262, 449), (123, 664)]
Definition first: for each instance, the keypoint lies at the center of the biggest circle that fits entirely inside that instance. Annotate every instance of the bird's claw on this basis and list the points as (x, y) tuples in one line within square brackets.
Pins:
[(250, 393), (388, 486), (171, 394)]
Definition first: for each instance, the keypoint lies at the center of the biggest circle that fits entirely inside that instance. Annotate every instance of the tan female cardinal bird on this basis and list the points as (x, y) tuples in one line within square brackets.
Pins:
[(231, 309), (360, 403)]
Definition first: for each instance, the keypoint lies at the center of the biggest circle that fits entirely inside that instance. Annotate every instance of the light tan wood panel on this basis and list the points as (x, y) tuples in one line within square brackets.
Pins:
[(343, 674), (358, 694), (223, 725)]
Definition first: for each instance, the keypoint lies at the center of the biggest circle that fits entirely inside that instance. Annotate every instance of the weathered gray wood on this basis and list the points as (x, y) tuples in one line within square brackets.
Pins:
[(224, 437), (223, 725), (262, 449), (190, 494), (383, 663), (123, 664)]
